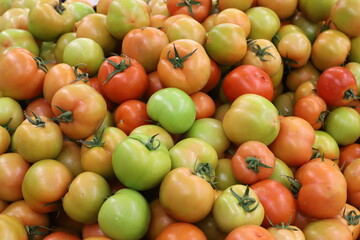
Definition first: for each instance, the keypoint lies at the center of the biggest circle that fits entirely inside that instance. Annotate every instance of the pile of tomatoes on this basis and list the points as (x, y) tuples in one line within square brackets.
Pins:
[(179, 119)]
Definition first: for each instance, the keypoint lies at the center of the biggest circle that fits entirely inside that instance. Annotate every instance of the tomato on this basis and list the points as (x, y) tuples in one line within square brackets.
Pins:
[(184, 64), (264, 22), (61, 235), (306, 88), (168, 104), (86, 193), (242, 5), (122, 78), (79, 109), (337, 86), (23, 74), (92, 230), (247, 79), (310, 28), (251, 117), (294, 142), (287, 231), (224, 175), (348, 120), (11, 113), (71, 157), (14, 18), (295, 49), (348, 216), (125, 215), (51, 178), (93, 26), (300, 75), (236, 16), (354, 55), (330, 49), (348, 153), (316, 11), (97, 150), (204, 104), (241, 205), (48, 20), (210, 130), (17, 38), (329, 229), (14, 167), (151, 130), (103, 6), (123, 16), (214, 79), (345, 15), (181, 230), (38, 138), (326, 146), (278, 202), (145, 45), (252, 162), (11, 228), (186, 196), (159, 219), (263, 54), (313, 109), (351, 174), (40, 107), (226, 43), (186, 28), (354, 68), (285, 103), (5, 140), (284, 9), (250, 231), (281, 173), (140, 162), (323, 188), (199, 10)]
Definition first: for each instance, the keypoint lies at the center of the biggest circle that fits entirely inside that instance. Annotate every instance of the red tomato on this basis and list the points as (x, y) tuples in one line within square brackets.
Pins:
[(181, 231), (154, 84), (247, 79), (348, 154), (204, 104), (199, 9), (60, 235), (247, 232), (312, 108)]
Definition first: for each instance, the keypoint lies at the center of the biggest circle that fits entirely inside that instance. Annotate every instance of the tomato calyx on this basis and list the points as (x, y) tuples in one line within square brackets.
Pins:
[(350, 94), (150, 143), (282, 225), (254, 164), (259, 52), (122, 66), (178, 61), (295, 186), (59, 8), (38, 122), (96, 141), (34, 231), (351, 217), (80, 76), (322, 116), (189, 4), (40, 63), (205, 171), (245, 201), (64, 117), (7, 127)]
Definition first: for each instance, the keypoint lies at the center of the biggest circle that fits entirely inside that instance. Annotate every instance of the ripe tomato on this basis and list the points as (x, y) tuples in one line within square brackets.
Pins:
[(252, 162), (214, 79), (91, 230), (61, 235), (283, 9), (204, 104), (181, 230), (5, 139), (348, 154), (250, 231), (40, 107), (348, 216), (247, 79), (312, 108), (286, 231), (199, 10), (351, 174), (154, 85), (337, 86)]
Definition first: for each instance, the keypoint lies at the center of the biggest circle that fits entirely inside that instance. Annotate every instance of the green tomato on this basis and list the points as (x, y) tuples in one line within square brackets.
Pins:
[(86, 193), (343, 124), (281, 173), (125, 215), (325, 146), (224, 174), (264, 23), (285, 103), (211, 131), (13, 37), (251, 117), (86, 52), (141, 161), (151, 130), (311, 29), (173, 109), (124, 16), (61, 43), (316, 11), (354, 54), (238, 205), (11, 113)]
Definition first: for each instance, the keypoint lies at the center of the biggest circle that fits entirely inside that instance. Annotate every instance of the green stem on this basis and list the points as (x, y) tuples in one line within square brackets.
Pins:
[(80, 76), (122, 66), (351, 217), (38, 122), (178, 61), (64, 117), (245, 201), (254, 164), (260, 52), (150, 143)]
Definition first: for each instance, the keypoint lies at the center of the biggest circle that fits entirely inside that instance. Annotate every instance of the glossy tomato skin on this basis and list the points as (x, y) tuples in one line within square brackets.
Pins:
[(198, 11), (311, 108), (11, 228), (129, 82), (352, 178), (247, 79), (329, 229), (348, 153), (337, 86), (181, 230), (249, 231), (21, 79), (278, 202), (11, 113), (61, 235)]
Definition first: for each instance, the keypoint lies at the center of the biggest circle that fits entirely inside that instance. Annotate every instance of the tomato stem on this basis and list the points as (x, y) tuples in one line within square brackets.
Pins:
[(260, 52), (64, 117), (59, 7), (254, 164), (80, 76), (188, 4), (295, 186), (122, 66), (6, 126), (34, 231), (96, 141), (245, 201), (282, 225), (178, 61), (38, 122), (149, 144), (351, 217), (41, 64), (350, 94), (205, 171)]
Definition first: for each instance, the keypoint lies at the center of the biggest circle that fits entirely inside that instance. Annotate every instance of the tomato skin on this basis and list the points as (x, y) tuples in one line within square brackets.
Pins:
[(71, 157), (128, 83), (337, 86), (329, 229), (244, 171), (87, 106), (345, 15), (278, 202), (40, 107), (300, 75), (247, 79), (233, 15), (204, 104), (11, 113), (311, 108), (11, 228), (186, 28), (296, 136), (326, 146), (21, 79), (181, 230), (351, 174), (249, 232), (264, 22), (185, 196), (199, 12), (323, 191), (316, 11), (348, 153), (192, 73), (91, 230), (151, 129), (61, 235)]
